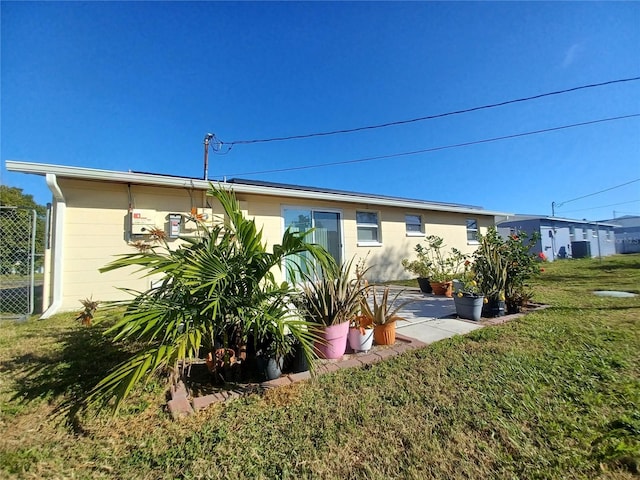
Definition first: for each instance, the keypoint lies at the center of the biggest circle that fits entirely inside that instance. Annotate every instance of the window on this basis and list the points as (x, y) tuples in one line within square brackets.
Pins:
[(368, 228), (609, 235), (413, 224), (585, 233), (594, 233), (472, 230), (572, 231)]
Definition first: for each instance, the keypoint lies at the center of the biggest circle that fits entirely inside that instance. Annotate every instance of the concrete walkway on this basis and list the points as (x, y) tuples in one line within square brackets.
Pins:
[(430, 318)]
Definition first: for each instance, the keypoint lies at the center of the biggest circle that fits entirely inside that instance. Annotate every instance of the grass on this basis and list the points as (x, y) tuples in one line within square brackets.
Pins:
[(555, 394)]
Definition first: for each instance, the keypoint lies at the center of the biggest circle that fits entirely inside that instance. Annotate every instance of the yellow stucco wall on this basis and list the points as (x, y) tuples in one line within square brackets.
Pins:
[(97, 225), (97, 228)]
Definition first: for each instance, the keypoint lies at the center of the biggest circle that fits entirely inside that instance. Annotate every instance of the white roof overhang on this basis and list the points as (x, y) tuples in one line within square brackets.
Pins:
[(93, 174)]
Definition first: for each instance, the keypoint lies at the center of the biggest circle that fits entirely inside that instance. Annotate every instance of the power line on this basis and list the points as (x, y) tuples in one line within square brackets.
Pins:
[(434, 149), (557, 205), (625, 213), (601, 206), (429, 117)]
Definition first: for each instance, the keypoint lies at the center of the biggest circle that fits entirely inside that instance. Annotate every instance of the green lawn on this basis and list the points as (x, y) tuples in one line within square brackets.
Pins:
[(555, 394)]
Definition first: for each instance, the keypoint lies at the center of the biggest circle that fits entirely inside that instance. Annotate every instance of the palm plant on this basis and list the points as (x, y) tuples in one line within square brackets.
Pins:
[(216, 289)]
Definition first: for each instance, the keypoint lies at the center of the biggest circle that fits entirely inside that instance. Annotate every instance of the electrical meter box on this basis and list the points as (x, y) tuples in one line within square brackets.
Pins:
[(142, 222), (175, 221)]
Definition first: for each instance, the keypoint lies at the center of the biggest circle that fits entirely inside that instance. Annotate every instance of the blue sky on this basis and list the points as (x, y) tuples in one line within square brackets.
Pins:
[(137, 85)]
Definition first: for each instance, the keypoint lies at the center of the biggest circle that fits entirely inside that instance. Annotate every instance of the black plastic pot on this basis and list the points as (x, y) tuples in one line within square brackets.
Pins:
[(269, 367), (424, 284), (493, 308), (299, 363)]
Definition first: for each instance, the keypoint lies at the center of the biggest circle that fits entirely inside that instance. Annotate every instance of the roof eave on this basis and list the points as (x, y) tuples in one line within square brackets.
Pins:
[(176, 182)]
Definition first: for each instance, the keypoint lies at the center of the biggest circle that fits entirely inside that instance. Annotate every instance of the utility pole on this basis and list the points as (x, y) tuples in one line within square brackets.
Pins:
[(207, 139), (553, 209)]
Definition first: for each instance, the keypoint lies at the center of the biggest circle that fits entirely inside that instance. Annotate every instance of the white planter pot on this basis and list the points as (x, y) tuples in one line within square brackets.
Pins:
[(360, 342)]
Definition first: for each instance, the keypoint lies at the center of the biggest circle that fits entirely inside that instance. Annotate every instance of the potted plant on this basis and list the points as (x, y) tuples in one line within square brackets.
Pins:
[(522, 264), (361, 327), (90, 306), (384, 314), (490, 266), (221, 363), (421, 268), (275, 322), (271, 355), (468, 298), (441, 267), (330, 300), (361, 333)]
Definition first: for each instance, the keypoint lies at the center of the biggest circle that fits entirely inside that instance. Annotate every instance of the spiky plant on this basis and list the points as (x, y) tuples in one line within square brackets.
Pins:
[(382, 310), (330, 296)]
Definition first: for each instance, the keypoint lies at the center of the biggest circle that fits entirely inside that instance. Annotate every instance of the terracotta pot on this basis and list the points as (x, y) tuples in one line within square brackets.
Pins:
[(223, 358), (385, 334), (442, 288), (333, 340)]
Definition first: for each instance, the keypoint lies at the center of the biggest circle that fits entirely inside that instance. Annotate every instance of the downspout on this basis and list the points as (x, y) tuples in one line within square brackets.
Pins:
[(59, 208)]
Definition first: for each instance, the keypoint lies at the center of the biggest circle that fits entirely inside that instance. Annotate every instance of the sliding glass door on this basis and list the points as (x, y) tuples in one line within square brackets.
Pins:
[(326, 224)]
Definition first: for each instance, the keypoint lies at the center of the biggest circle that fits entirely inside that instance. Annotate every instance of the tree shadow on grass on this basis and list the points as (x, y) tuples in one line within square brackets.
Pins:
[(575, 309), (547, 277), (613, 265), (68, 373)]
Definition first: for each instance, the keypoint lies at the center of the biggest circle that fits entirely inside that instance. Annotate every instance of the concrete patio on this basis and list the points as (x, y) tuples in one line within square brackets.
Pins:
[(430, 318)]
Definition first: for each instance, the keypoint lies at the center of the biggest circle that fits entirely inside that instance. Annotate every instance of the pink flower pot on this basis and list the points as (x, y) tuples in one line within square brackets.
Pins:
[(333, 340)]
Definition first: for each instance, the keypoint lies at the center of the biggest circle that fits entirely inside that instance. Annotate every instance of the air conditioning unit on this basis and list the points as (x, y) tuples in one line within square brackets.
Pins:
[(142, 221)]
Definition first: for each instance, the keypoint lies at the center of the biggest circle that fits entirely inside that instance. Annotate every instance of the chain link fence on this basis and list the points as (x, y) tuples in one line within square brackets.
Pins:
[(17, 262)]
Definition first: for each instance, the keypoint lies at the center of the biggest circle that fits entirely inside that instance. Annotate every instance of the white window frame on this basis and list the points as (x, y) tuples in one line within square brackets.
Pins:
[(361, 243), (585, 233), (469, 230), (414, 233), (572, 231)]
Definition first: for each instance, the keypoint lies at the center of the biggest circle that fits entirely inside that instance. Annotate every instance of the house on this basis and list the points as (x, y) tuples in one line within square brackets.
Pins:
[(563, 237), (627, 232), (97, 214)]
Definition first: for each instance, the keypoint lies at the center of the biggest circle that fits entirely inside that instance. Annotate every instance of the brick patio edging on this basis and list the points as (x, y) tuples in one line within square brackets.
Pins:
[(182, 404)]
